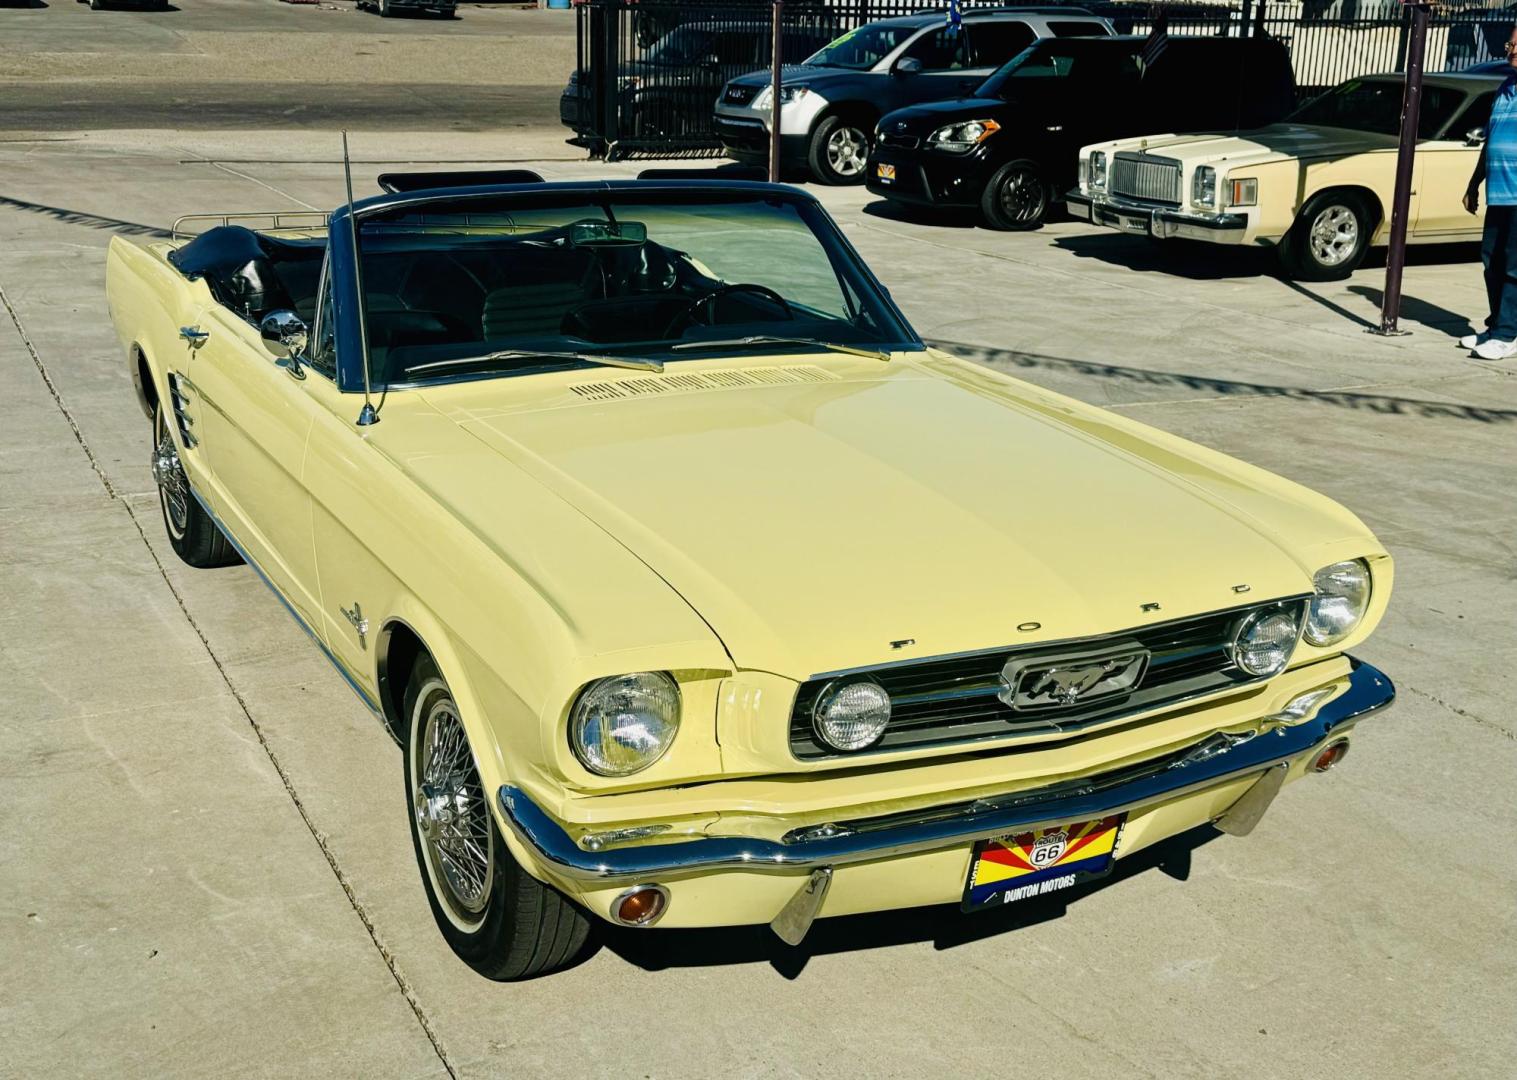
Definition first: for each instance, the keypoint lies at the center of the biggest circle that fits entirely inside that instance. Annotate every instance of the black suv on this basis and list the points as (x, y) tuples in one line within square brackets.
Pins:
[(829, 104), (1014, 145)]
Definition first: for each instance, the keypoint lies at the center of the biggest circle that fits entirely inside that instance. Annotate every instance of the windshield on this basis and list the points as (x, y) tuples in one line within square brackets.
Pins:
[(607, 276), (863, 48), (684, 45), (1374, 105), (1053, 58)]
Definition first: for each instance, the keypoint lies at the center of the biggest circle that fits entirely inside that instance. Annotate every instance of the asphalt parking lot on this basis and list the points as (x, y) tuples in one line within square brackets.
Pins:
[(206, 867)]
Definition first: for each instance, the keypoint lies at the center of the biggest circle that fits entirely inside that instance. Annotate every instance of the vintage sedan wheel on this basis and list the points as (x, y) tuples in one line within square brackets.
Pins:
[(193, 534), (838, 151), (499, 919), (1329, 238), (1016, 198)]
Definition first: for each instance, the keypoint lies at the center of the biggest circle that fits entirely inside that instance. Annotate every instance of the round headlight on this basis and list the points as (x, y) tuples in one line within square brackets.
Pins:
[(1343, 592), (623, 724), (851, 715), (1264, 642)]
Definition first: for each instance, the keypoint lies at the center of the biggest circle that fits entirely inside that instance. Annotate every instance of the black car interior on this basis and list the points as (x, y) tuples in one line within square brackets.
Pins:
[(253, 273)]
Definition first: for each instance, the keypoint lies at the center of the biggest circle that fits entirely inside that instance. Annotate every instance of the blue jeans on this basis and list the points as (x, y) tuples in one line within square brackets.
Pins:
[(1498, 251)]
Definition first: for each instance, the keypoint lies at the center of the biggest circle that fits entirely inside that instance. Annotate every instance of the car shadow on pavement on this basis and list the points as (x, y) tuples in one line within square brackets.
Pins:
[(84, 217), (922, 215), (1200, 261), (945, 925)]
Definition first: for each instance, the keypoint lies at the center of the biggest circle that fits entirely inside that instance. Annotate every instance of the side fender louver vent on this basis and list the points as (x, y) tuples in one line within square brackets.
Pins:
[(178, 393), (640, 386)]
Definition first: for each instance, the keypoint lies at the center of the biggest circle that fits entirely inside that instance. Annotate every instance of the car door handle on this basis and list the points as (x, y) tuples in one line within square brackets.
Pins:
[(193, 334)]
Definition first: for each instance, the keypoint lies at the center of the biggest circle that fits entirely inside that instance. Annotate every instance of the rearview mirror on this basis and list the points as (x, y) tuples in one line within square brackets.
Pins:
[(1475, 137), (287, 329), (592, 232), (906, 65)]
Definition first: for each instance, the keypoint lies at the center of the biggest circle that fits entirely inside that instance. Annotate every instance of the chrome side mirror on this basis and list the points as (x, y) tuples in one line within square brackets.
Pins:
[(286, 329), (1475, 137), (907, 65)]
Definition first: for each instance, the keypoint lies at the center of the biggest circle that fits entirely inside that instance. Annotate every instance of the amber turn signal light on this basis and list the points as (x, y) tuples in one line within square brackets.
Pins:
[(1330, 756), (641, 905)]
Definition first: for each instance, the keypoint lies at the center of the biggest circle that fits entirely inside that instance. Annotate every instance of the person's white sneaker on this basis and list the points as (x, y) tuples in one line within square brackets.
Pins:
[(1473, 341), (1495, 349)]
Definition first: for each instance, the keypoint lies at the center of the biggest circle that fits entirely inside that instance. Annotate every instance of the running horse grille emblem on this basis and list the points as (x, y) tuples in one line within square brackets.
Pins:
[(1061, 682)]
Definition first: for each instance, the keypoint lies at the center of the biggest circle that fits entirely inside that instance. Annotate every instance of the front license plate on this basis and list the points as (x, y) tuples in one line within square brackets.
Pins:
[(1136, 224), (886, 173), (1039, 862)]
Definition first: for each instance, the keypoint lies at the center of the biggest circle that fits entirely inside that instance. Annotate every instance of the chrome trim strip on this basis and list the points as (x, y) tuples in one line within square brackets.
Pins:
[(336, 663), (1368, 691)]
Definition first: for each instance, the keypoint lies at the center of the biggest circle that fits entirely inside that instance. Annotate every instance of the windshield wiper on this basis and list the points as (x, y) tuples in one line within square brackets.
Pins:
[(637, 363), (768, 339)]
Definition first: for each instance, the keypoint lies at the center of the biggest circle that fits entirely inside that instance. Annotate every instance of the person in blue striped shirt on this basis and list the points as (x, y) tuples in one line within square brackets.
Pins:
[(1497, 166)]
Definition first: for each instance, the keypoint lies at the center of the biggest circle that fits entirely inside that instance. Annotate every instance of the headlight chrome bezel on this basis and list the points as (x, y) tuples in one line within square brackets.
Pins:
[(829, 696), (971, 134), (1203, 187), (591, 708), (1292, 620), (1349, 580), (1096, 170)]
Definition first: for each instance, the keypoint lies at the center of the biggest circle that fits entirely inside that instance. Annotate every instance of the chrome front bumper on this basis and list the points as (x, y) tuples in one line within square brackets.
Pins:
[(1214, 761), (1125, 215)]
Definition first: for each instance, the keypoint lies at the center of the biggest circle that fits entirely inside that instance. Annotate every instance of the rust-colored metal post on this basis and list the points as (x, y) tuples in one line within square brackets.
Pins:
[(1411, 113), (774, 90)]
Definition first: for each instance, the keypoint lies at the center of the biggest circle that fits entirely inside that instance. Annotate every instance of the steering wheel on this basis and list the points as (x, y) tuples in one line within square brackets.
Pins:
[(687, 317)]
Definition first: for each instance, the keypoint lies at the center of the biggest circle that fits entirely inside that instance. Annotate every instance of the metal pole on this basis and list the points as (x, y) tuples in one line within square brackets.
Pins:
[(774, 103), (1411, 111)]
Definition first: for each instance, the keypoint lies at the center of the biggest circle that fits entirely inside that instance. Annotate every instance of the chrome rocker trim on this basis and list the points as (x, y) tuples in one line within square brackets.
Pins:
[(1213, 761), (1115, 212)]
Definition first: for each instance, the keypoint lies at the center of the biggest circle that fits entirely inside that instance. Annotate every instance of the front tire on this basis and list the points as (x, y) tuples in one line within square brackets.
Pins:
[(1329, 239), (838, 151), (1016, 198), (192, 533), (496, 917)]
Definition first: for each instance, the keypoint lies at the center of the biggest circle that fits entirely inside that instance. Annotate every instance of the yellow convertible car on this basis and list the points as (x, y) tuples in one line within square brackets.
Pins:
[(698, 591), (1317, 187)]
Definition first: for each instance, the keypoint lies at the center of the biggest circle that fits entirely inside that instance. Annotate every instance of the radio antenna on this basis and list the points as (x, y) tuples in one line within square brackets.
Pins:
[(367, 415)]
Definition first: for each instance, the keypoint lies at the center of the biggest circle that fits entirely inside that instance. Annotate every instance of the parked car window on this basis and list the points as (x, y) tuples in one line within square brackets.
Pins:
[(737, 47), (942, 49), (991, 44), (1064, 59), (1077, 29), (685, 45), (1477, 115), (863, 48), (1375, 105)]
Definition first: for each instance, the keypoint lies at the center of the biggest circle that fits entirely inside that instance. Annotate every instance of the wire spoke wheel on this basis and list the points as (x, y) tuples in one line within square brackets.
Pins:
[(452, 815), (173, 488), (1334, 235), (847, 150)]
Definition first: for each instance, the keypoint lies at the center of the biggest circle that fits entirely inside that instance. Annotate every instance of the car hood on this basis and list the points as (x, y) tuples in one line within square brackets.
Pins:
[(1278, 142), (798, 75), (823, 513)]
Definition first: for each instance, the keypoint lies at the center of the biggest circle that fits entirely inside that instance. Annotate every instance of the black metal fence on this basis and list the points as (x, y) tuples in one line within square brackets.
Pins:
[(649, 71)]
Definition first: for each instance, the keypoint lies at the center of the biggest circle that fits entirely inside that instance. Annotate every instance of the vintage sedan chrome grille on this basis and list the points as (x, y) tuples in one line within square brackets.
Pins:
[(965, 698), (1148, 179)]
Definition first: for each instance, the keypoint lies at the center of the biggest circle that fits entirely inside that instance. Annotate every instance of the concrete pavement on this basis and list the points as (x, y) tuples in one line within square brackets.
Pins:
[(206, 868)]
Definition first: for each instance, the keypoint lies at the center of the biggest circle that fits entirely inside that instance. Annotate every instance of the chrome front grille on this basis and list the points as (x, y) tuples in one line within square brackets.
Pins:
[(955, 699), (1148, 179), (739, 95)]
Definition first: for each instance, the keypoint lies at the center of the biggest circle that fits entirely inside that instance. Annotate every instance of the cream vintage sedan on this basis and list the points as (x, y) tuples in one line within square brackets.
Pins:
[(699, 591), (1316, 187)]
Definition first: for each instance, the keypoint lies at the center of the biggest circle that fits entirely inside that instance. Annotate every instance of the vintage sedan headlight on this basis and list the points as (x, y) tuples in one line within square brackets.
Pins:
[(851, 714), (1343, 594), (1097, 174), (765, 98), (1243, 192), (623, 724), (1203, 186), (964, 136), (1264, 642)]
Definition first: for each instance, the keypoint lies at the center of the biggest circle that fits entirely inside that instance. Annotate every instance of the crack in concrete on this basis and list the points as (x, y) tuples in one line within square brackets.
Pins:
[(1464, 713), (391, 963)]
